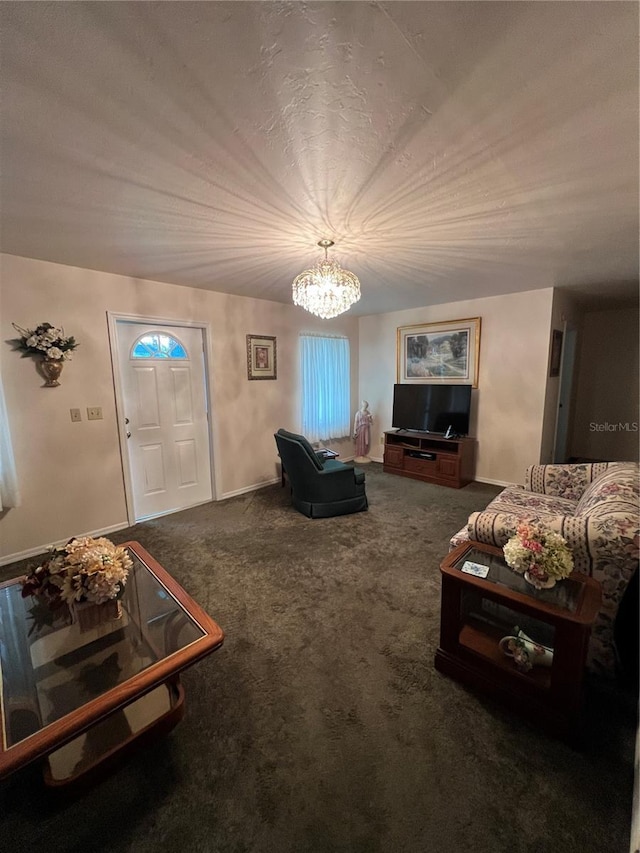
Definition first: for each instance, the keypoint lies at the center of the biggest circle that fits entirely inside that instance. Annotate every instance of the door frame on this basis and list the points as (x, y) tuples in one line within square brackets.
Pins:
[(563, 405), (113, 317)]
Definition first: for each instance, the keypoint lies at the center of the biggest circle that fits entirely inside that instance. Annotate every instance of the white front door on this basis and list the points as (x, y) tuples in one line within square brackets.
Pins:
[(162, 375)]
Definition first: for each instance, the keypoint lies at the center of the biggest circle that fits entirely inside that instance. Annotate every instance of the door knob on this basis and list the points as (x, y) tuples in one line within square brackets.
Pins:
[(126, 420), (128, 434)]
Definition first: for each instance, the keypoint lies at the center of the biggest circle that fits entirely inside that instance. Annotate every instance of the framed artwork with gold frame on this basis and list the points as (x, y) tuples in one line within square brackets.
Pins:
[(262, 362), (447, 352)]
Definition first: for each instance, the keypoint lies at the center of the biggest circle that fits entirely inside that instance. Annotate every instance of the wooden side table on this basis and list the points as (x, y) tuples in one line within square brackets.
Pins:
[(478, 612)]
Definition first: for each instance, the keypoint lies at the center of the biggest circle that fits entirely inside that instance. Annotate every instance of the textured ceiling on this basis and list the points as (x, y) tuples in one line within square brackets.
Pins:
[(451, 150)]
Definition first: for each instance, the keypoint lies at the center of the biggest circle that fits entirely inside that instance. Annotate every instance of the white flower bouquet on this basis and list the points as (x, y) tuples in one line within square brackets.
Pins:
[(542, 556), (85, 570), (46, 341)]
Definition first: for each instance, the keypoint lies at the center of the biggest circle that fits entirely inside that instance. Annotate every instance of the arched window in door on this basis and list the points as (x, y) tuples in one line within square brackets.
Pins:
[(158, 345)]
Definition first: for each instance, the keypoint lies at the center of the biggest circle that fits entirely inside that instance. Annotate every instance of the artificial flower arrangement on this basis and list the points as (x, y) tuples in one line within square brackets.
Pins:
[(46, 341), (84, 570), (542, 556)]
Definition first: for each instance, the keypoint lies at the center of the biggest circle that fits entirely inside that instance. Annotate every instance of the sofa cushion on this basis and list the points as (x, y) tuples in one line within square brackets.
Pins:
[(615, 491), (566, 481), (515, 499)]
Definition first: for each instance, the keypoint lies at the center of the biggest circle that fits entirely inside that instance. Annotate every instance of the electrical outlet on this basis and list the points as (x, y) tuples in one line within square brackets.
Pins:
[(94, 413), (75, 415), (382, 439)]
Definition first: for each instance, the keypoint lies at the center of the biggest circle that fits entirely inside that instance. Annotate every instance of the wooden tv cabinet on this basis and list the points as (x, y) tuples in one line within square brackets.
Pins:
[(434, 459)]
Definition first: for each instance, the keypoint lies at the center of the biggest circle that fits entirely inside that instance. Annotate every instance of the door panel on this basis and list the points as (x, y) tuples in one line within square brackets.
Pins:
[(146, 401), (182, 395), (187, 463), (168, 427), (153, 468)]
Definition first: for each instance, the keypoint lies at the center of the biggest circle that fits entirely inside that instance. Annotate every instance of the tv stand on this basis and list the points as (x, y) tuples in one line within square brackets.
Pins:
[(429, 457)]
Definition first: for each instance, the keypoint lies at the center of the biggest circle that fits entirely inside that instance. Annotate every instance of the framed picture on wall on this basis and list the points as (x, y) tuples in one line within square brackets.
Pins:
[(556, 353), (262, 360), (445, 352)]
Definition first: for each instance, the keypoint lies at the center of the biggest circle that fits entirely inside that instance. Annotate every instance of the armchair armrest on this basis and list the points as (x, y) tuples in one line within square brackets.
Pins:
[(564, 481)]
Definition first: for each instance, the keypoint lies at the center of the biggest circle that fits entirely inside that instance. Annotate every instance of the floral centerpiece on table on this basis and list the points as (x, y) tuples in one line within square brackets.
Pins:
[(84, 570), (46, 341), (542, 556)]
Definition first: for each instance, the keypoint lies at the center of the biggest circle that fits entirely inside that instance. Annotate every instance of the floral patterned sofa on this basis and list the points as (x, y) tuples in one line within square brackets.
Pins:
[(596, 508)]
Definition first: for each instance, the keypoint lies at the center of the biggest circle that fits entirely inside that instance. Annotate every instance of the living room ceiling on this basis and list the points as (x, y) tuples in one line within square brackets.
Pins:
[(452, 150)]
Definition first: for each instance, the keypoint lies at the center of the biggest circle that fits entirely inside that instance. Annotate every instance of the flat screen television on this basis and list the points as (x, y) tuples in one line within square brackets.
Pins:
[(432, 408)]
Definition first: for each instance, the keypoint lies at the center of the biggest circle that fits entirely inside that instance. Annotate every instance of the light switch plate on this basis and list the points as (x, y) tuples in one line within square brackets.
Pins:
[(76, 415), (94, 413)]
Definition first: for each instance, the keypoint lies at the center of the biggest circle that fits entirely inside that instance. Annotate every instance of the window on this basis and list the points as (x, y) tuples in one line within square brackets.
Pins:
[(325, 367), (155, 345)]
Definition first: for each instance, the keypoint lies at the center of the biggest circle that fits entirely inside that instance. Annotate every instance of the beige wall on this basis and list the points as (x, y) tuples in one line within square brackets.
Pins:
[(508, 406), (606, 399), (70, 474)]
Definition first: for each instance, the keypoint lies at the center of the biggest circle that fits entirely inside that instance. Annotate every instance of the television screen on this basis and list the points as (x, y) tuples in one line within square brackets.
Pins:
[(432, 408)]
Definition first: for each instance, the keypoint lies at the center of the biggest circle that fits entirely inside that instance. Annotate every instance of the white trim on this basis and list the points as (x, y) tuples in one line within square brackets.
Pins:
[(144, 518), (42, 549), (489, 482), (253, 488), (113, 317)]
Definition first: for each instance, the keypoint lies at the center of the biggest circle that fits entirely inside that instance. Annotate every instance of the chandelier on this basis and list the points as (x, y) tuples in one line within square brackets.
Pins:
[(326, 290)]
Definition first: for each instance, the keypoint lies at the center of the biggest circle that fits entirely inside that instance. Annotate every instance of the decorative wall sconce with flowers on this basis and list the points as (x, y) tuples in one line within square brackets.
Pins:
[(49, 345)]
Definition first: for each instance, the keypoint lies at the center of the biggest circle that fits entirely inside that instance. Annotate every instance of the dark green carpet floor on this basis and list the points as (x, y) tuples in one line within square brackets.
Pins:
[(321, 725)]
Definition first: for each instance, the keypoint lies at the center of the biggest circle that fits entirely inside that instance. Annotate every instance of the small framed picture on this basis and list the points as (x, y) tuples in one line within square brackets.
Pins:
[(556, 353), (261, 357)]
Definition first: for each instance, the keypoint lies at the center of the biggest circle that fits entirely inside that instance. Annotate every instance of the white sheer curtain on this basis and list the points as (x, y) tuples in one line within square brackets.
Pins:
[(325, 367), (9, 494)]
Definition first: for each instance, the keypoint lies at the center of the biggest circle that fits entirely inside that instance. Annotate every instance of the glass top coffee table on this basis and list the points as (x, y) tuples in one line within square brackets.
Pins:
[(80, 697)]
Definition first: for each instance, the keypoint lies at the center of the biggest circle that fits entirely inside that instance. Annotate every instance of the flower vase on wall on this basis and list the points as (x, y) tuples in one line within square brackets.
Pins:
[(52, 368)]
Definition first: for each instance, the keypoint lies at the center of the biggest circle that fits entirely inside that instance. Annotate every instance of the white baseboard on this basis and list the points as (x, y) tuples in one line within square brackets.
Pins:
[(42, 549), (246, 489), (489, 482)]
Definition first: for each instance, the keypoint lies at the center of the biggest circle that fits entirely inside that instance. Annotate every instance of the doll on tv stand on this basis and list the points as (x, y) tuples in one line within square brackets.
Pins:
[(362, 433)]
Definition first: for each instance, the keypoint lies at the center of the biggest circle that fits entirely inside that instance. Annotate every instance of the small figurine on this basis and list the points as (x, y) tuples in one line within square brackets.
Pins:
[(362, 432)]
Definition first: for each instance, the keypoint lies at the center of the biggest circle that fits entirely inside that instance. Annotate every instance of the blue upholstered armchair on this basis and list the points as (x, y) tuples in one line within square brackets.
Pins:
[(320, 488)]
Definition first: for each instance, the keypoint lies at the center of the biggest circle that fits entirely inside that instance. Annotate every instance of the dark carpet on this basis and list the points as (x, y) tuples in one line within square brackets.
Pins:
[(321, 725)]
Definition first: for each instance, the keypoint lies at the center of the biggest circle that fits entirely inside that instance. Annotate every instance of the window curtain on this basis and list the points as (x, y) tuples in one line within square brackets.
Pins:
[(326, 387), (9, 494)]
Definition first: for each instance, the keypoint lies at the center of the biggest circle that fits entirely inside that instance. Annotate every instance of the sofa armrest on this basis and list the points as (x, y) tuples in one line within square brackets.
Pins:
[(564, 481), (496, 528)]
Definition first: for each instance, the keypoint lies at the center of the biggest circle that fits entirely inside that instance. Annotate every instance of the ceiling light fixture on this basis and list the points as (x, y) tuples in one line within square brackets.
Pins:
[(326, 290)]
